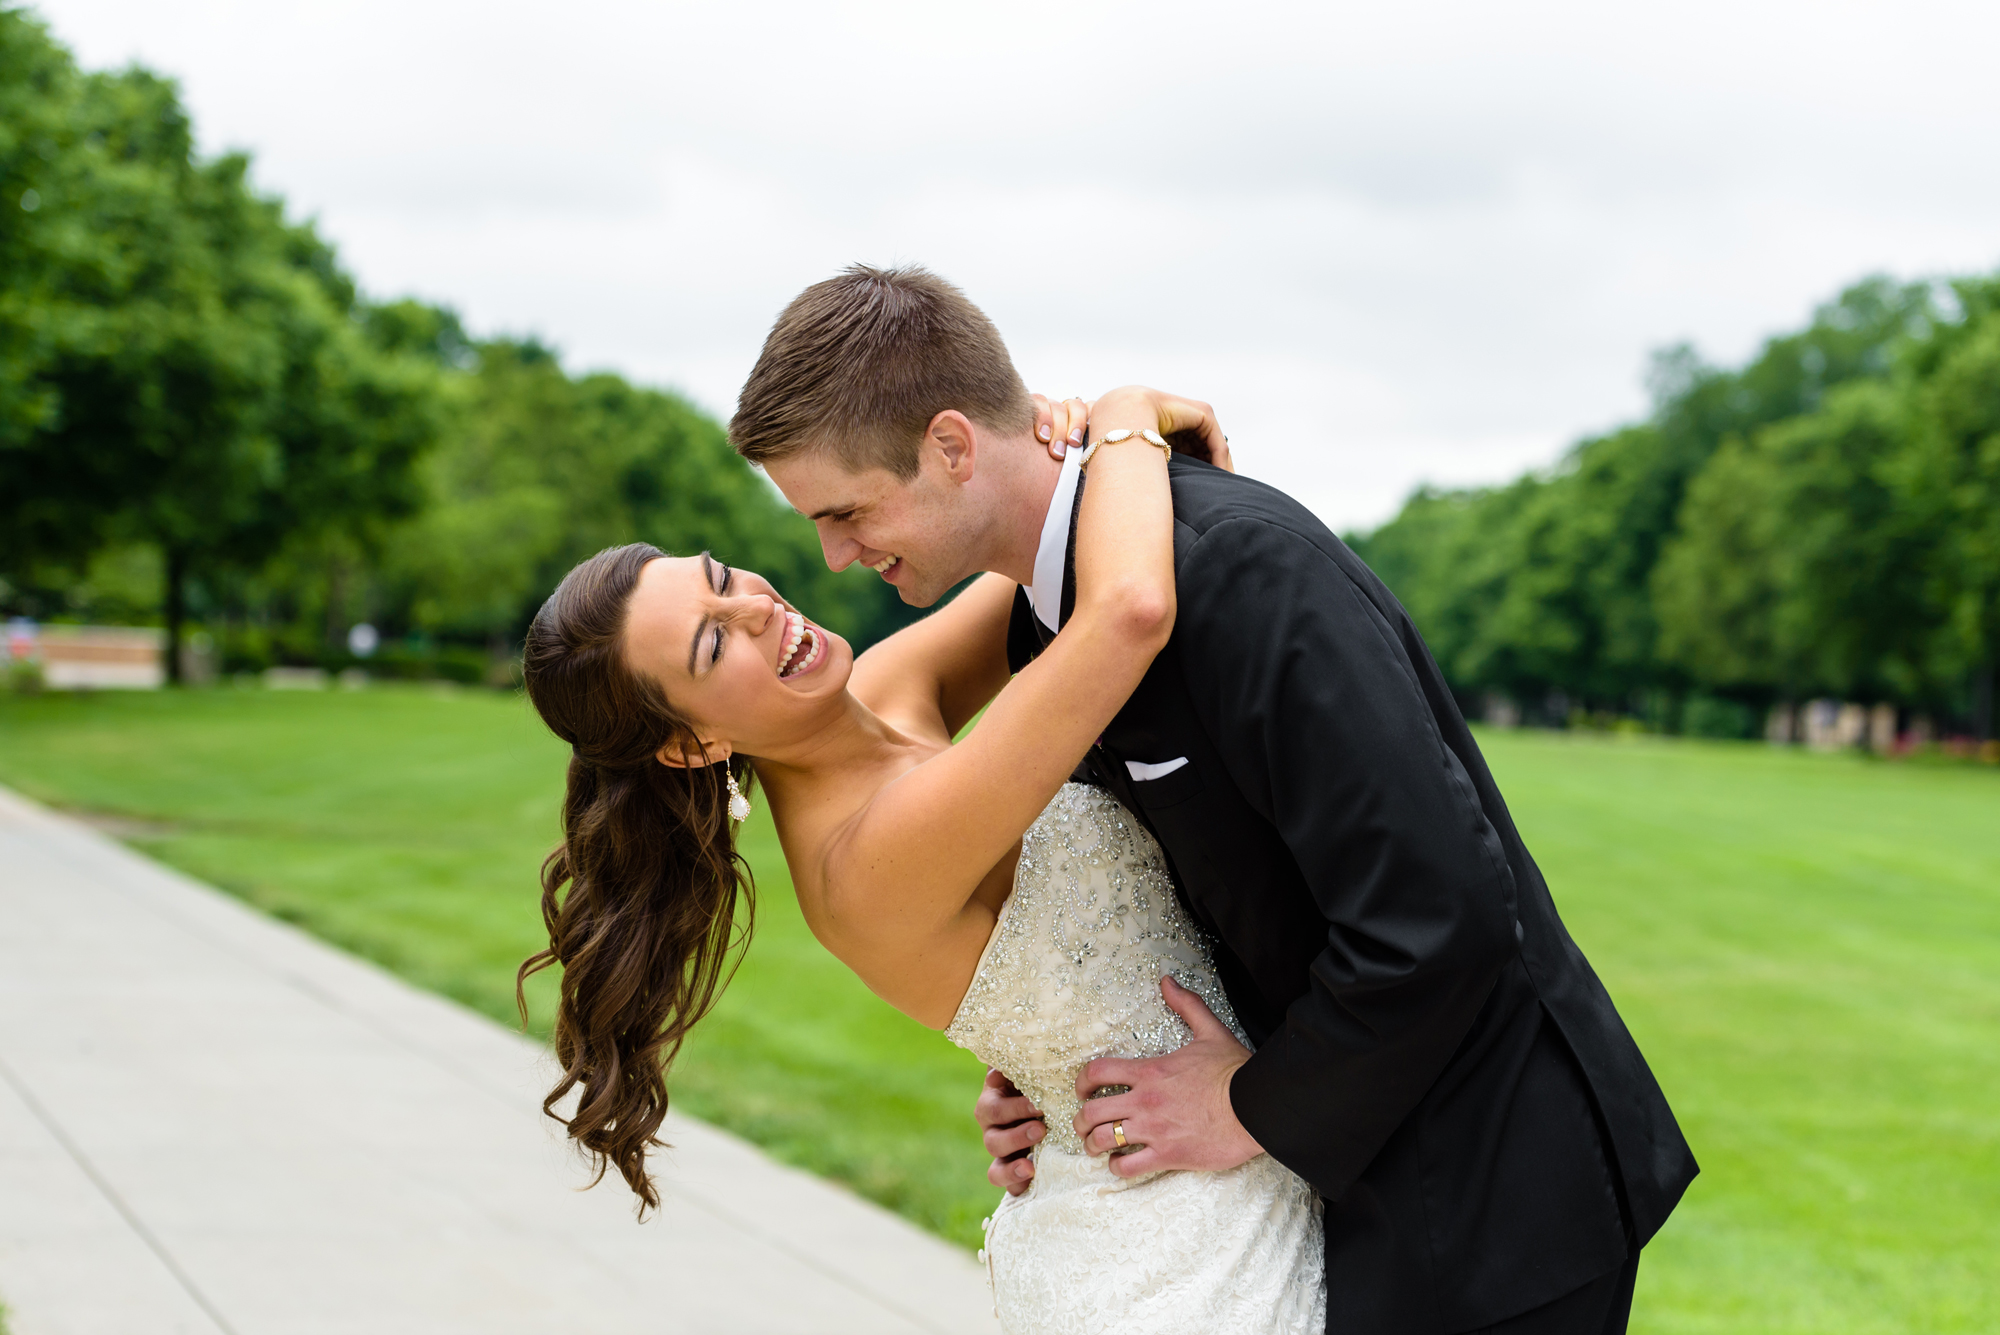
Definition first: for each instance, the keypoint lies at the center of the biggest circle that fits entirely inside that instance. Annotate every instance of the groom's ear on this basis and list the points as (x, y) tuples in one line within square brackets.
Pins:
[(952, 440)]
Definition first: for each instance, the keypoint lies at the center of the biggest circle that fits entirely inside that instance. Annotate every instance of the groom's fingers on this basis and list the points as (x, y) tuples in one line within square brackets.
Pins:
[(1094, 1121), (1004, 1142), (1010, 1142), (1192, 1009), (1138, 1161), (1000, 1104), (1014, 1178), (1103, 1138), (1108, 1071)]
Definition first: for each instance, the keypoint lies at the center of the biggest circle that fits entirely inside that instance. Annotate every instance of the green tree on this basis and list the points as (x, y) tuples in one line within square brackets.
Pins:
[(1950, 485), (538, 470), (203, 382), (40, 164), (1549, 584), (1799, 566)]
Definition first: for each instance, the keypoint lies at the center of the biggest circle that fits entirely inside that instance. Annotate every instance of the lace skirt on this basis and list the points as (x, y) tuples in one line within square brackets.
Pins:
[(1083, 1252)]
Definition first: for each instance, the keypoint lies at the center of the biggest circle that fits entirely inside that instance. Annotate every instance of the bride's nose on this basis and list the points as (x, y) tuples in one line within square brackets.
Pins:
[(755, 611)]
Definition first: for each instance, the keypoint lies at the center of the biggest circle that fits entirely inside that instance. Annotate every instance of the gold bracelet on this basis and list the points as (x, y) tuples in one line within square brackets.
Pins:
[(1124, 433)]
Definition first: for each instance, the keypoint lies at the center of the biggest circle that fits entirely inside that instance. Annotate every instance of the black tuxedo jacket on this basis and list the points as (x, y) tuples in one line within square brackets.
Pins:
[(1433, 1052)]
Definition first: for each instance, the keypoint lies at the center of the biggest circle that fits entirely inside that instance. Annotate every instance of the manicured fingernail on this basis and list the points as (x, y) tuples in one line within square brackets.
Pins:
[(1076, 436), (1043, 432), (1035, 1131)]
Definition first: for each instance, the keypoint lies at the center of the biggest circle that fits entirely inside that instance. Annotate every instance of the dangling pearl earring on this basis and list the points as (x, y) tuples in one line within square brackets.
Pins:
[(739, 805)]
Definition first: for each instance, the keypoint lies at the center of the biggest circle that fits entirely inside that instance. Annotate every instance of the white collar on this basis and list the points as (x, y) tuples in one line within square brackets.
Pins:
[(1052, 557)]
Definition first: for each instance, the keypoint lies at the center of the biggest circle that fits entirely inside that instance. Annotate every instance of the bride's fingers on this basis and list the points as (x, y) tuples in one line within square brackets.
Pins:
[(1198, 418), (1067, 418), (1046, 412), (1079, 420), (1060, 423)]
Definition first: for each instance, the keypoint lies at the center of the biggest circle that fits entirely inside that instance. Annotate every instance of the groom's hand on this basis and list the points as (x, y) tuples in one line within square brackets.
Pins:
[(1013, 1126), (1178, 1106)]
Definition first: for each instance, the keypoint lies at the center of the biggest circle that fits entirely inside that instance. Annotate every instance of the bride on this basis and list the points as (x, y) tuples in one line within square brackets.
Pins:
[(970, 885)]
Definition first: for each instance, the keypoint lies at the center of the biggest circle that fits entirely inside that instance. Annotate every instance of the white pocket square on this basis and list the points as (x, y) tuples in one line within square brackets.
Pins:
[(1142, 771)]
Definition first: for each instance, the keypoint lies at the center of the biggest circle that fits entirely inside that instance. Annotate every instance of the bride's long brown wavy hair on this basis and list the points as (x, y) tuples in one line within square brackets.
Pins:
[(648, 932)]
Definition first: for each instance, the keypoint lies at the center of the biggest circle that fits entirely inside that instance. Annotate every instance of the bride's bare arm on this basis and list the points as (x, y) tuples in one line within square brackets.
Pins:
[(953, 661), (900, 880)]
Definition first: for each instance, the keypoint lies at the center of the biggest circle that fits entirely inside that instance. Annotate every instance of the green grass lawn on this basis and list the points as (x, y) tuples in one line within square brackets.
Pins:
[(407, 825), (1808, 948)]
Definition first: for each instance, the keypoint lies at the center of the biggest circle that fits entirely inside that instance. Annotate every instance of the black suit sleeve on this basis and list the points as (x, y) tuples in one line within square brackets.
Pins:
[(1311, 698)]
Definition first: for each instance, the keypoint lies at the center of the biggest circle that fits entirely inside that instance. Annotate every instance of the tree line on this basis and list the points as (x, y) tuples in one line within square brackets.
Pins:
[(1821, 521), (204, 424)]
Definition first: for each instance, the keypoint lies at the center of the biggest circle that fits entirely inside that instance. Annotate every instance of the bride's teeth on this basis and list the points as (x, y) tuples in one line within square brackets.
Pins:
[(788, 656)]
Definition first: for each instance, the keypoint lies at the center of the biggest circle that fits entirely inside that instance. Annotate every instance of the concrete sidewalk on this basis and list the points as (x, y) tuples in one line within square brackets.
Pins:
[(212, 1123)]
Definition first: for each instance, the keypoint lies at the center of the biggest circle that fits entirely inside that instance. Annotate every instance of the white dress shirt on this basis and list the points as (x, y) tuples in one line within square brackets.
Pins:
[(1052, 557), (1045, 594)]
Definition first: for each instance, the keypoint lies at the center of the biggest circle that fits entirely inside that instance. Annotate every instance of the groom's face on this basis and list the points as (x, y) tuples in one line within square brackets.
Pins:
[(912, 533)]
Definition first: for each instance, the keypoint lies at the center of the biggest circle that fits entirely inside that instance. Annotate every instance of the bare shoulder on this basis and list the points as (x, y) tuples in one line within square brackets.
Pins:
[(859, 867)]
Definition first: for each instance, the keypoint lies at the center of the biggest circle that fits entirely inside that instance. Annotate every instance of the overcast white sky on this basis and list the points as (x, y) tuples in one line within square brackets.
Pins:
[(1392, 243)]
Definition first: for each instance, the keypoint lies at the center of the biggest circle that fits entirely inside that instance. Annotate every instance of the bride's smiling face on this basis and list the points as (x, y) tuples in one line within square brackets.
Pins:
[(744, 668)]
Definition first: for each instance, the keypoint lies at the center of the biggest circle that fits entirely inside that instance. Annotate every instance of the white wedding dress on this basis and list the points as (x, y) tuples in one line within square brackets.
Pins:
[(1072, 972)]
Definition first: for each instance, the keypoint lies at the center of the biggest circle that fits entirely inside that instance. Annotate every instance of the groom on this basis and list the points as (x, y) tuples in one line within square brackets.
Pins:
[(1433, 1053)]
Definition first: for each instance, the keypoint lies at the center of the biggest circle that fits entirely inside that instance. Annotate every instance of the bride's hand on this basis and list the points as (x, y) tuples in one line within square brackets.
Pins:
[(1060, 423), (1189, 425)]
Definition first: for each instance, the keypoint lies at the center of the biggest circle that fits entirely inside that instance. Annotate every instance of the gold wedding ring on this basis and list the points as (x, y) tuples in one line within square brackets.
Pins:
[(1118, 1132)]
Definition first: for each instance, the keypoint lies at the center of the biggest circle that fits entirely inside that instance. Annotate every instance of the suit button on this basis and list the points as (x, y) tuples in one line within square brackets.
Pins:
[(1520, 937)]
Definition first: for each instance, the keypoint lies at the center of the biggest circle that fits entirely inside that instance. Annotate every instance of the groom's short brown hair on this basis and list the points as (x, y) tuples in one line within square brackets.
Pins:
[(859, 365)]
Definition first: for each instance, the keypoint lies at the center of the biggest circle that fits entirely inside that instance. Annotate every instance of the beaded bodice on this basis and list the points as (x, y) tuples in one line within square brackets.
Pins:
[(1072, 971)]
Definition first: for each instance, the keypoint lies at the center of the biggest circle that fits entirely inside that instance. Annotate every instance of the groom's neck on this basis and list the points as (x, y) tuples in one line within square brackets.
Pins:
[(1024, 486)]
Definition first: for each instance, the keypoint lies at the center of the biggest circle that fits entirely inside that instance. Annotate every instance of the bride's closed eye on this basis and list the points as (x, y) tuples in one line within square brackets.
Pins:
[(724, 577), (707, 632)]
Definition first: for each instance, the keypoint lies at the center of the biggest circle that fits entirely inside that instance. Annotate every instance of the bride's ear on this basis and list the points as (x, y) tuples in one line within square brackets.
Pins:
[(691, 753)]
